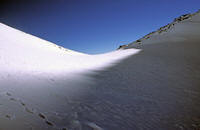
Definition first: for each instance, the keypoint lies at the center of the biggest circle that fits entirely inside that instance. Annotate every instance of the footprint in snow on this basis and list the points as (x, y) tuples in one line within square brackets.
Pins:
[(49, 123), (9, 117), (8, 94), (28, 110), (13, 99), (41, 116)]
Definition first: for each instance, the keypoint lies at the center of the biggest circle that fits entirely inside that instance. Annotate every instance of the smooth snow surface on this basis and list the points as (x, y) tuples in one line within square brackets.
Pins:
[(25, 53), (156, 87), (39, 73)]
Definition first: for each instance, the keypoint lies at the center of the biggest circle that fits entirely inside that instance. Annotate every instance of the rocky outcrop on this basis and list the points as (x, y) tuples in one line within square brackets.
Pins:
[(161, 30)]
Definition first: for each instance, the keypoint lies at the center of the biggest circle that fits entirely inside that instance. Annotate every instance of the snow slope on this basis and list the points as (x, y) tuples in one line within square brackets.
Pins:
[(38, 76), (21, 51), (185, 26), (43, 86)]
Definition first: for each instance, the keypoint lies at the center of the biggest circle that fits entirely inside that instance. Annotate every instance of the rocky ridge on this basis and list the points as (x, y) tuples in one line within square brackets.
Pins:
[(161, 30)]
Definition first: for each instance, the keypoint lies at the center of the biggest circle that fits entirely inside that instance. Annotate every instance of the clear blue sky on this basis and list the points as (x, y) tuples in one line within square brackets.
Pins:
[(92, 26)]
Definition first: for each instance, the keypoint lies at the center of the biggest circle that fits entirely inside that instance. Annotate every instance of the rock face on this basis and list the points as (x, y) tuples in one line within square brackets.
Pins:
[(161, 30), (121, 47)]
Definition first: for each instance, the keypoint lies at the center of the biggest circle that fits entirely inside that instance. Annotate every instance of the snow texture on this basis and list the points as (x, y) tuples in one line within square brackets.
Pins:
[(151, 84), (37, 72)]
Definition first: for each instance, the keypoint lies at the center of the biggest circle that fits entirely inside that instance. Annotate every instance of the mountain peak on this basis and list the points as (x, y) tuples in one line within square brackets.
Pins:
[(165, 29)]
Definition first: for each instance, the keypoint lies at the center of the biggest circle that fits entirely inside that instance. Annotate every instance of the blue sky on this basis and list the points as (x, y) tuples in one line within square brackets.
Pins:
[(92, 26)]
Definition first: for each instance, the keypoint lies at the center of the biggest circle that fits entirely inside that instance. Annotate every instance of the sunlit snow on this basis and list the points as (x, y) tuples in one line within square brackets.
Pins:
[(26, 53)]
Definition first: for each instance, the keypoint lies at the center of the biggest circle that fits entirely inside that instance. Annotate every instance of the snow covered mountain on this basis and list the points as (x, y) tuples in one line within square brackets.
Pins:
[(182, 27), (152, 83), (33, 70), (26, 52)]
